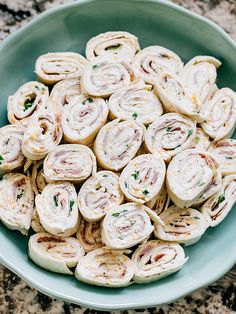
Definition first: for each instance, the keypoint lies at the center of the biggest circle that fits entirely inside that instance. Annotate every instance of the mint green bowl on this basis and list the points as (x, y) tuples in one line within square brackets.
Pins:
[(68, 28)]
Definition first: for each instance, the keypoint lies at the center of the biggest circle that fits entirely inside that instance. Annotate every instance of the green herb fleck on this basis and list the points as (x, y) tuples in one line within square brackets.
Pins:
[(114, 47), (168, 129), (228, 157), (190, 132), (27, 105), (196, 217), (132, 222), (121, 238), (221, 198), (115, 214), (71, 204), (105, 175), (201, 183), (1, 159), (95, 66), (145, 192), (19, 196), (126, 185), (55, 199), (87, 100), (135, 115), (135, 175)]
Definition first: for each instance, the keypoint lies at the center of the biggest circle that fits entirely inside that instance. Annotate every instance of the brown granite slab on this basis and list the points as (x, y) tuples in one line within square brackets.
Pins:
[(15, 296)]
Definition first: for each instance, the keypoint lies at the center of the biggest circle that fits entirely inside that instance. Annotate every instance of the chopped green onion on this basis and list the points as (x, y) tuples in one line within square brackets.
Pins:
[(105, 175), (146, 192), (71, 204), (19, 196), (135, 115), (87, 100), (221, 198), (190, 132), (55, 199), (135, 175), (115, 214), (27, 105)]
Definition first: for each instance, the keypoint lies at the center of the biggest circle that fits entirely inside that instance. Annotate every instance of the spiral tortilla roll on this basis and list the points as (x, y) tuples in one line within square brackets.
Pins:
[(105, 267), (28, 100), (117, 143), (58, 209), (16, 202), (69, 162), (225, 152), (177, 97), (37, 177), (170, 134), (160, 202), (57, 66), (192, 177), (11, 157), (182, 225), (105, 75), (123, 44), (220, 112), (82, 118), (35, 222), (216, 208), (200, 75), (55, 254), (42, 135), (201, 140), (89, 235), (99, 194), (157, 259), (151, 61), (62, 93), (142, 179), (127, 225), (136, 101)]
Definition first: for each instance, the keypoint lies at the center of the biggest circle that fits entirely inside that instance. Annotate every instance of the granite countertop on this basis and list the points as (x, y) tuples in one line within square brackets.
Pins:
[(15, 296)]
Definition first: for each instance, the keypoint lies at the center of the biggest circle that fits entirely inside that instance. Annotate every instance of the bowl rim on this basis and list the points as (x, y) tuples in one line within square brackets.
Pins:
[(229, 263)]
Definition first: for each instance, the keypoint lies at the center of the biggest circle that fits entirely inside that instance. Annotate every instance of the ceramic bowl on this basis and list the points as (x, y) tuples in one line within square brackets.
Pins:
[(68, 28)]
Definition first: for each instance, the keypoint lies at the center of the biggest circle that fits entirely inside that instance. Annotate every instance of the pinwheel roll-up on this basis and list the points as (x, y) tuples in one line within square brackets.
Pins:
[(69, 162), (11, 157), (136, 101), (159, 203), (54, 253), (192, 177), (105, 75), (182, 225), (142, 179), (117, 143), (176, 97), (16, 202), (156, 259), (58, 209), (42, 135), (216, 208), (99, 194), (225, 152), (26, 102), (105, 267), (37, 177), (127, 225), (170, 134), (151, 61), (56, 66), (123, 44), (89, 235), (35, 222), (63, 93), (201, 140), (220, 112), (82, 118), (200, 75)]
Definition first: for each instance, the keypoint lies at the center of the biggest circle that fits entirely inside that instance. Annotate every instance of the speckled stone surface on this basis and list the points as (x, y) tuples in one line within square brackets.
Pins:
[(15, 296)]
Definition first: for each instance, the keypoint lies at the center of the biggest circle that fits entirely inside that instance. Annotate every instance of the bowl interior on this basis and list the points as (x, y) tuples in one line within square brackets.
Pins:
[(68, 29)]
